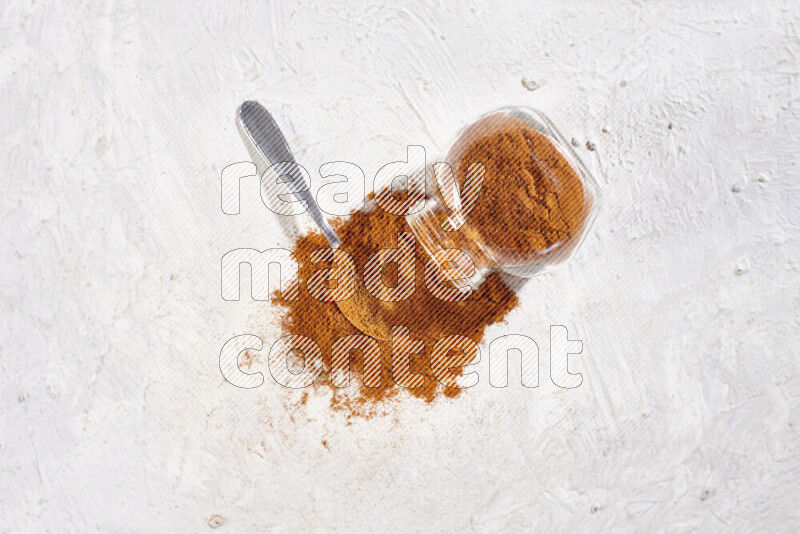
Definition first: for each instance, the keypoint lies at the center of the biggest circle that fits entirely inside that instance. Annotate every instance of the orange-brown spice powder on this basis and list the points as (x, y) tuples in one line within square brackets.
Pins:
[(532, 200)]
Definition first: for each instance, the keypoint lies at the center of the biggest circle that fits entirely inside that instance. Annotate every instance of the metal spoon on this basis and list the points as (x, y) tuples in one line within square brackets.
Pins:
[(260, 130), (262, 134)]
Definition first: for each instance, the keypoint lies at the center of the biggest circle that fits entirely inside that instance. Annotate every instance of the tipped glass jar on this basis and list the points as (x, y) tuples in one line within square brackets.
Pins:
[(513, 196)]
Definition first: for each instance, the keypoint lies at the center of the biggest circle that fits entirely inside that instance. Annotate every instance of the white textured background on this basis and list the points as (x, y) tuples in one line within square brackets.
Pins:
[(115, 121)]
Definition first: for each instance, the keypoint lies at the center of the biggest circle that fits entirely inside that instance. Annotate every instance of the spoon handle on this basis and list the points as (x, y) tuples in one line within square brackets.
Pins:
[(265, 135)]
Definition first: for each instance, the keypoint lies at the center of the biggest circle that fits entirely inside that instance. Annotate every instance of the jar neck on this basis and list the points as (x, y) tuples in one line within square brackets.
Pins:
[(432, 238)]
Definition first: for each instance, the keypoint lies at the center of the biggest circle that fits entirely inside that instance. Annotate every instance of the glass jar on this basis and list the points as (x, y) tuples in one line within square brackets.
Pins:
[(531, 209)]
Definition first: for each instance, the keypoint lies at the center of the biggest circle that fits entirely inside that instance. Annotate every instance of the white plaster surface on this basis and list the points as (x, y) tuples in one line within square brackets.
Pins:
[(116, 120)]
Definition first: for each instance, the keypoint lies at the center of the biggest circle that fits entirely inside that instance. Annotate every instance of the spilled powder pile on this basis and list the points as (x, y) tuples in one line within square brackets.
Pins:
[(533, 207), (428, 318)]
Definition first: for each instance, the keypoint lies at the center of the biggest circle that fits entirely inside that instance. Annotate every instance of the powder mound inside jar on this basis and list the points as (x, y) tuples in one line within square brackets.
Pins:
[(533, 206)]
